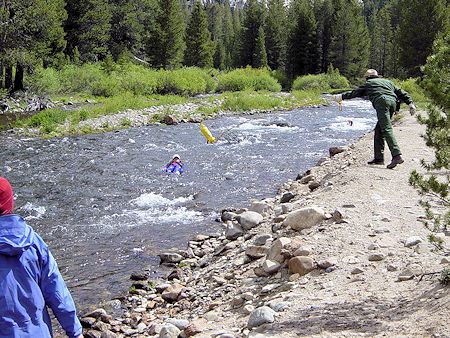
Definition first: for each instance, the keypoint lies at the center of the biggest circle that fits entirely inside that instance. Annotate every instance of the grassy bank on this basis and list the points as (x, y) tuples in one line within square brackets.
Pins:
[(98, 92)]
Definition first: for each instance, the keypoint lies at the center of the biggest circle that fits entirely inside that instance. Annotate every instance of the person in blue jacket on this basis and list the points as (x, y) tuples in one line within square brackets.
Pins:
[(29, 280), (175, 166)]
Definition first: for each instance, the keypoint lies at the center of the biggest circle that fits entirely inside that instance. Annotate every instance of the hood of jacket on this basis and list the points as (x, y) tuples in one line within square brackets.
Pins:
[(15, 235)]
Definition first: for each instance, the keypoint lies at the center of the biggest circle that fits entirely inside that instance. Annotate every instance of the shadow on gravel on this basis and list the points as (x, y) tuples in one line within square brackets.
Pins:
[(368, 317)]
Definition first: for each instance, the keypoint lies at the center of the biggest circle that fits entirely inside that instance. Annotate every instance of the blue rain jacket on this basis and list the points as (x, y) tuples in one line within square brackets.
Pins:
[(29, 282), (174, 168)]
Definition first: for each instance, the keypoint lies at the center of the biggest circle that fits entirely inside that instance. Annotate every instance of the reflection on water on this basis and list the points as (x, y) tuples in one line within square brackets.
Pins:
[(105, 208)]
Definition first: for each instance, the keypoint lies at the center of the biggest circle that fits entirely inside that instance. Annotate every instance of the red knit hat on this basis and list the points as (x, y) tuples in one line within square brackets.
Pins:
[(6, 197)]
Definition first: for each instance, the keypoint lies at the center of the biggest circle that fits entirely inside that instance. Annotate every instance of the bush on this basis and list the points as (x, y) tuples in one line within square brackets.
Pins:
[(108, 79), (245, 101), (413, 88), (247, 79), (331, 80)]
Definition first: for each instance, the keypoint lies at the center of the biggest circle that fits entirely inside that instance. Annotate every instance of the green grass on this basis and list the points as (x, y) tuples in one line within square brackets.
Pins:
[(247, 79), (415, 90)]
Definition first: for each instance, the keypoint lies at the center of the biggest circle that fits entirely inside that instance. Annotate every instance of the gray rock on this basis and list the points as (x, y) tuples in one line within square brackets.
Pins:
[(179, 323), (356, 271), (336, 150), (304, 218), (261, 316), (261, 208), (413, 240), (262, 239), (376, 257), (270, 267), (249, 219), (287, 197), (170, 257), (256, 251), (313, 185), (306, 179), (172, 292), (275, 251), (228, 216), (169, 331), (233, 231), (326, 263), (303, 250)]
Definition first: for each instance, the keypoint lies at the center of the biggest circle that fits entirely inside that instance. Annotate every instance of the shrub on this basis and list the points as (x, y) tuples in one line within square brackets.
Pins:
[(413, 88), (185, 81), (245, 101), (247, 79), (324, 82)]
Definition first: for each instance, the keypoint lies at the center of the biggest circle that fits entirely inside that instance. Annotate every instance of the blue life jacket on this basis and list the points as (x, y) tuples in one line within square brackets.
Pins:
[(174, 168), (29, 282)]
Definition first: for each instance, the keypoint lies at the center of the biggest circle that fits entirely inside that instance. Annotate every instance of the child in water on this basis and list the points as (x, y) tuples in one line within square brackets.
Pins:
[(174, 166)]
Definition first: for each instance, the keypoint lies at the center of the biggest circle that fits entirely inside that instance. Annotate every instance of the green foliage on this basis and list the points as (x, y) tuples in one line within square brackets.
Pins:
[(414, 89), (246, 101), (253, 20), (323, 82), (185, 81), (434, 185), (260, 59), (416, 36), (198, 39), (437, 72), (165, 46), (247, 79), (275, 28), (444, 278)]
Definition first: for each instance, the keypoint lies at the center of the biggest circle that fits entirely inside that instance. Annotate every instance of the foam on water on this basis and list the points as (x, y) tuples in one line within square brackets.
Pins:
[(348, 124)]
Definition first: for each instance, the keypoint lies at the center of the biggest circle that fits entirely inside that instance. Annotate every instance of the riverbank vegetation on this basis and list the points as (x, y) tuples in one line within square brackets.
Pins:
[(107, 56)]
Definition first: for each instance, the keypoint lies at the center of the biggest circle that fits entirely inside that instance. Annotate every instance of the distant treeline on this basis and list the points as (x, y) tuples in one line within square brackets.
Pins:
[(298, 38)]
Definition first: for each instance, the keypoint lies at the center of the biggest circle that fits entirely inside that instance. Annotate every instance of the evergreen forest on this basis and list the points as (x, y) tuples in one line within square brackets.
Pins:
[(292, 38)]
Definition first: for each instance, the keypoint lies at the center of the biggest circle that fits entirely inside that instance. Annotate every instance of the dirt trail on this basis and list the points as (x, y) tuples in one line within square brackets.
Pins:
[(382, 211)]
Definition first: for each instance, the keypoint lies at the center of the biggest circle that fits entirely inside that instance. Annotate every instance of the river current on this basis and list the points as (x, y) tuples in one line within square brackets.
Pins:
[(105, 208)]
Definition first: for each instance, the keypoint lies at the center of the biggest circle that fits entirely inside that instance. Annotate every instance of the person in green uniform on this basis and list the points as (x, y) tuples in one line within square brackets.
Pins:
[(384, 95)]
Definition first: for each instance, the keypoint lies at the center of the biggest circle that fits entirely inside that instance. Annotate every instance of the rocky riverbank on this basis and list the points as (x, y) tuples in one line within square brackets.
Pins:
[(339, 251)]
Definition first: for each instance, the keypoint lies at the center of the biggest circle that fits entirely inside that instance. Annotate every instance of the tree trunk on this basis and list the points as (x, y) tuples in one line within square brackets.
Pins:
[(2, 75), (8, 77), (18, 79)]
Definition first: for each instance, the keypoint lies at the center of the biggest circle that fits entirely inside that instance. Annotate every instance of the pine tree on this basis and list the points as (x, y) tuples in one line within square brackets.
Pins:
[(275, 30), (417, 33), (88, 27), (260, 57), (381, 42), (434, 185), (253, 20), (324, 14), (349, 48), (31, 33), (199, 47), (302, 40), (165, 46)]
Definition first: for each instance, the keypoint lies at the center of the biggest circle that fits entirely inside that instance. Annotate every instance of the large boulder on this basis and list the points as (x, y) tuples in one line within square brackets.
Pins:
[(304, 218), (249, 219), (233, 231), (170, 258), (301, 265)]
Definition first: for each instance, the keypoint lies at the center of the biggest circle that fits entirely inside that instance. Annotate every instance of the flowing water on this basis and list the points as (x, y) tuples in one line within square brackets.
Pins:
[(105, 208)]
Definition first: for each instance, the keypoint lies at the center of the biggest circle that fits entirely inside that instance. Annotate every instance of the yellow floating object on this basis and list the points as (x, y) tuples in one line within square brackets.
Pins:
[(205, 131)]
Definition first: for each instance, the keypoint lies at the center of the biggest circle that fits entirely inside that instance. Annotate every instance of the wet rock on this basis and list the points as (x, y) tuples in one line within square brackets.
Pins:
[(170, 258), (261, 316), (286, 197), (228, 216), (172, 292), (261, 208), (169, 331), (255, 251), (233, 231), (249, 219), (336, 150), (170, 120), (139, 276), (413, 240), (304, 218), (301, 265)]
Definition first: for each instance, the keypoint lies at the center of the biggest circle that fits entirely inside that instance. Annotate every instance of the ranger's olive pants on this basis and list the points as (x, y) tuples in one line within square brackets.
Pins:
[(385, 107)]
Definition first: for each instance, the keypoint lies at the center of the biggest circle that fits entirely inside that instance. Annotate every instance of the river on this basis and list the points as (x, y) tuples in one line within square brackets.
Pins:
[(106, 210)]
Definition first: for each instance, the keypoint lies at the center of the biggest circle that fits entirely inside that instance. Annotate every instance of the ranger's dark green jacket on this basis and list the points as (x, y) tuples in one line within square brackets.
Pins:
[(375, 88)]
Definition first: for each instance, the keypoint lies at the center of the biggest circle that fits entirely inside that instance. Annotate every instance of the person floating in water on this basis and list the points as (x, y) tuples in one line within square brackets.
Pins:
[(175, 166)]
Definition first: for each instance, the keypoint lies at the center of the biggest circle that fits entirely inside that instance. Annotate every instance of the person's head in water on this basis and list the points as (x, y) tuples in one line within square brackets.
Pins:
[(176, 158), (6, 197), (370, 74)]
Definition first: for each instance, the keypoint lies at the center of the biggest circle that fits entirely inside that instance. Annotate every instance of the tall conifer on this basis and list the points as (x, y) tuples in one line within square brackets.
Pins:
[(199, 47), (275, 30)]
